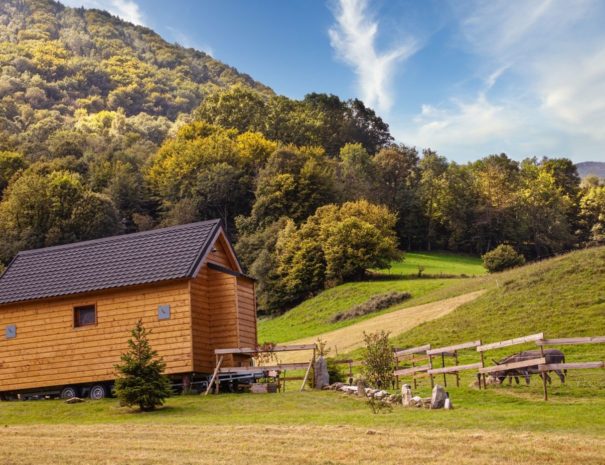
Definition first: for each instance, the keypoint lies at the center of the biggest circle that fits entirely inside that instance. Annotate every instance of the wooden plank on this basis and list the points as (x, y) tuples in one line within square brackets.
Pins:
[(214, 375), (455, 369), (248, 350), (510, 342), (413, 350), (302, 386), (409, 371), (571, 366), (464, 345), (512, 366), (571, 341), (257, 369)]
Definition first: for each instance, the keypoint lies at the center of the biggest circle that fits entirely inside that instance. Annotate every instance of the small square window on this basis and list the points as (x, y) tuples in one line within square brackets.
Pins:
[(85, 315)]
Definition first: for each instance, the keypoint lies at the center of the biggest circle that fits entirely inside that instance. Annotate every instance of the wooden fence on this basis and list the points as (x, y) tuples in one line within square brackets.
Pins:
[(426, 353)]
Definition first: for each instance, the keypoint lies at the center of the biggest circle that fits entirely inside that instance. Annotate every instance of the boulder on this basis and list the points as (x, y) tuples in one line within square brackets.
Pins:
[(322, 377), (438, 397), (74, 400)]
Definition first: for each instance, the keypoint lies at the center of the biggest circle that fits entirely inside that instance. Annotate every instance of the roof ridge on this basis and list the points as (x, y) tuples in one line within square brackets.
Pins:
[(119, 237)]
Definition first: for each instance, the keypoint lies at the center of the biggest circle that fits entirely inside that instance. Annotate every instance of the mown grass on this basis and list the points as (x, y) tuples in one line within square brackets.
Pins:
[(313, 316), (496, 409)]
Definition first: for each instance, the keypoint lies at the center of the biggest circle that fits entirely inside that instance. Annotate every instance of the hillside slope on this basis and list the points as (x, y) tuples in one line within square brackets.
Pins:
[(591, 168), (563, 297)]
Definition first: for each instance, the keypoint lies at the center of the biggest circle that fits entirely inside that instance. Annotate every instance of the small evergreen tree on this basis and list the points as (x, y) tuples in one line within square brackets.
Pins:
[(141, 380)]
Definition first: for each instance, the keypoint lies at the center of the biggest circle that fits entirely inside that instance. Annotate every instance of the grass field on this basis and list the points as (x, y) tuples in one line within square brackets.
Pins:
[(436, 263), (312, 317), (564, 296), (308, 428)]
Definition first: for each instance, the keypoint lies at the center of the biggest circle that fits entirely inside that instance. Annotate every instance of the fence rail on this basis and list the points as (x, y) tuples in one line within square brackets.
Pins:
[(426, 352)]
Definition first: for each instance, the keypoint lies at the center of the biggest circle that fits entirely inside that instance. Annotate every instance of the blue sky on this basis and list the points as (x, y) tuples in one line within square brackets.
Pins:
[(466, 78)]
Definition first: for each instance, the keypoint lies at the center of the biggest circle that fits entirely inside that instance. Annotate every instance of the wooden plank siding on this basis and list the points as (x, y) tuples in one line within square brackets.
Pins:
[(213, 310), (49, 351), (223, 311)]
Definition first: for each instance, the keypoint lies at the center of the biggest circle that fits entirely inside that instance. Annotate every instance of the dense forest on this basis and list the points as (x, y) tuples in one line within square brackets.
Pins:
[(107, 129)]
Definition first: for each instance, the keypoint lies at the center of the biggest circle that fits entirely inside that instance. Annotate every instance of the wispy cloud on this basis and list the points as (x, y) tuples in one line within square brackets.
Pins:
[(128, 10), (554, 56), (353, 37)]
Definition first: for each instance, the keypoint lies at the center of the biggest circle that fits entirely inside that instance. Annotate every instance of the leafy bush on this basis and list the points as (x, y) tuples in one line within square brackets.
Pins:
[(374, 304), (378, 359), (141, 380), (502, 258)]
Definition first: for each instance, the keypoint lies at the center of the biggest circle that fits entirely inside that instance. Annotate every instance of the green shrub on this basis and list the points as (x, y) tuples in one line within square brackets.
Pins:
[(378, 359), (376, 303), (502, 258)]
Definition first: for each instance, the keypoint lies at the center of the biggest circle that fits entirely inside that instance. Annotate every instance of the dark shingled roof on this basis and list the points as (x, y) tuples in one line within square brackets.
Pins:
[(140, 258)]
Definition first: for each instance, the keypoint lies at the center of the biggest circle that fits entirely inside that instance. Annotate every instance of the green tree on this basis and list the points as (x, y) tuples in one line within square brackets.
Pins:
[(592, 214), (432, 178), (141, 381), (396, 186), (543, 210), (10, 164), (378, 359)]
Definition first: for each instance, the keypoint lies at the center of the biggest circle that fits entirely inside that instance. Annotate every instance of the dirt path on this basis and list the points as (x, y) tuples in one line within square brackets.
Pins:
[(346, 339)]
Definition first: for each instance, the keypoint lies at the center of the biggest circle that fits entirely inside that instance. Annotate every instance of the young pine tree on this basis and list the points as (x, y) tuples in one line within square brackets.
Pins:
[(141, 381)]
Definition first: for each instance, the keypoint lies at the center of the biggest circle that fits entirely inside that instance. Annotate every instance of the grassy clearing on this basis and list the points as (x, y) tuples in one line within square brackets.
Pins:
[(313, 316), (436, 263), (563, 297)]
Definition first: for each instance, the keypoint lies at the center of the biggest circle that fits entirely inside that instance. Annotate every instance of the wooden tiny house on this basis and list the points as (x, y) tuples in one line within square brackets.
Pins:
[(66, 312)]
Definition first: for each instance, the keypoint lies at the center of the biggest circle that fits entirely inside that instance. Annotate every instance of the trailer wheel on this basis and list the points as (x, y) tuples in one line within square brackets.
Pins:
[(98, 392), (68, 392)]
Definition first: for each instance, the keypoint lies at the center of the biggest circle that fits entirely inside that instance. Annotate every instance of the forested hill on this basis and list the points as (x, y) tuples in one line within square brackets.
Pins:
[(57, 61)]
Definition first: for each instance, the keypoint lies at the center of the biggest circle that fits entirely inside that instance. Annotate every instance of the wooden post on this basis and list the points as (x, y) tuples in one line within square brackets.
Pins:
[(443, 366), (214, 376), (457, 373), (430, 368), (413, 375), (544, 385), (482, 376)]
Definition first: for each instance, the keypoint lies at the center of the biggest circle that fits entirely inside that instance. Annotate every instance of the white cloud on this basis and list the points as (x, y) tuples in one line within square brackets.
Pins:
[(553, 54), (128, 10), (353, 37), (464, 123)]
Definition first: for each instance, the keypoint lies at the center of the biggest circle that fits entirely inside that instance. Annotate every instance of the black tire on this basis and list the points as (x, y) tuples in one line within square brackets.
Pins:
[(98, 392), (69, 392)]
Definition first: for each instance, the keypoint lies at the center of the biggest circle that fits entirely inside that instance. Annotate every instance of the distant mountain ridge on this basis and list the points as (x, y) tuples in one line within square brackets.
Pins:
[(591, 168)]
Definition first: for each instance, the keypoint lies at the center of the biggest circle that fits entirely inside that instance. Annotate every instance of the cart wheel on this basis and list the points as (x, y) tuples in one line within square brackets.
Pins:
[(69, 392), (98, 392)]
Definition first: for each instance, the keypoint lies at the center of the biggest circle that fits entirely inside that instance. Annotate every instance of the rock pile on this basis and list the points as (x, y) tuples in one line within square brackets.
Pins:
[(439, 398), (362, 391)]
